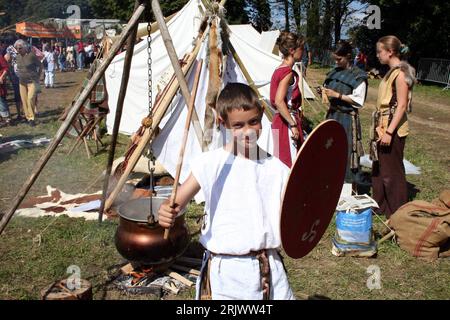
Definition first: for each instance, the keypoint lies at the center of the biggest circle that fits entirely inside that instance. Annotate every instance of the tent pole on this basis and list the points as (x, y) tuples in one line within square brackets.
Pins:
[(70, 117), (176, 66), (118, 116)]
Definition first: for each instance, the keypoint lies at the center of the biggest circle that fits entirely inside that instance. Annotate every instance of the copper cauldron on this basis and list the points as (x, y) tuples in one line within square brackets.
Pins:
[(140, 240)]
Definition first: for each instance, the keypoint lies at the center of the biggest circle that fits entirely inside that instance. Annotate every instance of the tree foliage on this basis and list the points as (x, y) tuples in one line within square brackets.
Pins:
[(260, 14), (36, 10), (423, 27)]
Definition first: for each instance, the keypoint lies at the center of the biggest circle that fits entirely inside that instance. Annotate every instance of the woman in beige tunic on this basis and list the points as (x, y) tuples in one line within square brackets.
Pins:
[(391, 127)]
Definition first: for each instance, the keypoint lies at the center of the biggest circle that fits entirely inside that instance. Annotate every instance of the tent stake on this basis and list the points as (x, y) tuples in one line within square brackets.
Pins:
[(118, 116), (70, 117)]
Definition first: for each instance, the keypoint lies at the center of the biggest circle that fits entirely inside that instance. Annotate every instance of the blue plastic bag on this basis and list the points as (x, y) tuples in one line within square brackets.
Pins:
[(354, 227)]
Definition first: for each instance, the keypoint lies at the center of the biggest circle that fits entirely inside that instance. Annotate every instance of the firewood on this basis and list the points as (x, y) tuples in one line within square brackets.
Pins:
[(127, 269), (171, 287), (179, 277)]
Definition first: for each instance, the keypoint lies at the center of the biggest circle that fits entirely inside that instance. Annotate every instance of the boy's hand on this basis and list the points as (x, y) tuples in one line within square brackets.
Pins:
[(167, 214)]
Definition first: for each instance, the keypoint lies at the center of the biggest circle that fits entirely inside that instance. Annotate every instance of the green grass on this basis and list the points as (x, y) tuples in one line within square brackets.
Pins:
[(27, 266)]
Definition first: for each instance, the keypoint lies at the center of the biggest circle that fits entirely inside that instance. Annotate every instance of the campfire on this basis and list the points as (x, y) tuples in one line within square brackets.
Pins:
[(182, 274)]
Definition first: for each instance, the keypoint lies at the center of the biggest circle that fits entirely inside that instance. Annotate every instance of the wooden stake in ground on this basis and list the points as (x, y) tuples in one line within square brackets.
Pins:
[(118, 117), (70, 117), (185, 136)]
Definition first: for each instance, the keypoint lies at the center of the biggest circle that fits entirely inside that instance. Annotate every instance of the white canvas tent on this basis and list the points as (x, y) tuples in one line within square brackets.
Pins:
[(256, 52), (269, 40), (183, 28)]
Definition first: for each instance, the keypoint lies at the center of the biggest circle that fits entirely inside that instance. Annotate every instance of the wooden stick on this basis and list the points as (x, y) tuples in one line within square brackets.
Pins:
[(302, 88), (80, 137), (118, 116), (127, 269), (171, 287), (70, 117), (149, 132), (176, 65), (191, 107), (180, 278), (386, 237), (154, 26)]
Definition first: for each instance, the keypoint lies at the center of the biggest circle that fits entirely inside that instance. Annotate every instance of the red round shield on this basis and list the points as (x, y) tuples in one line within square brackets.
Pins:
[(313, 188)]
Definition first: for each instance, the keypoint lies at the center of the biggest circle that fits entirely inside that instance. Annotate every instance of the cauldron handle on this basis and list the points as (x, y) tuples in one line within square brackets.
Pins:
[(151, 217)]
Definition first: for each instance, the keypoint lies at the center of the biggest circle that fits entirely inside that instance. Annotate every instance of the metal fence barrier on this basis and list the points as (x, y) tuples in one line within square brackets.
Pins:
[(434, 70)]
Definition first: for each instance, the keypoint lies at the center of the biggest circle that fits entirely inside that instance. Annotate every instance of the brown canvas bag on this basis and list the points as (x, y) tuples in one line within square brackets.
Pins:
[(423, 228)]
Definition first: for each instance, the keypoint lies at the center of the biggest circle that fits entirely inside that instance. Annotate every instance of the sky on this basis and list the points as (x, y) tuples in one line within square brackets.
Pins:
[(354, 19)]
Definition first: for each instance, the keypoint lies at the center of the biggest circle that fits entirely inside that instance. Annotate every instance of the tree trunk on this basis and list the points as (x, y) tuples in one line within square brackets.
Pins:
[(297, 9), (337, 20), (327, 26), (313, 24), (286, 14)]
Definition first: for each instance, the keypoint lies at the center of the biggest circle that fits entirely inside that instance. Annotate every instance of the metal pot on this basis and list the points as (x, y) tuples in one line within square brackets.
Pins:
[(141, 240)]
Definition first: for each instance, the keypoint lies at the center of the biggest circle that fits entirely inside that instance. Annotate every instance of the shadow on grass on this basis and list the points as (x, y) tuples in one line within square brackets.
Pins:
[(412, 191), (50, 114)]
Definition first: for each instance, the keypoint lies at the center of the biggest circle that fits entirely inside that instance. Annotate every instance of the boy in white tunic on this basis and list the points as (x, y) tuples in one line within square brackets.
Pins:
[(243, 186)]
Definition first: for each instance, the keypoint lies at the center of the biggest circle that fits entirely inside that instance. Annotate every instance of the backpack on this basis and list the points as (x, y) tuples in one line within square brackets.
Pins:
[(423, 228)]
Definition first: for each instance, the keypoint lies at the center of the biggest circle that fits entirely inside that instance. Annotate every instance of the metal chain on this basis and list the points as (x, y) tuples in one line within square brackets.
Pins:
[(149, 63), (151, 158)]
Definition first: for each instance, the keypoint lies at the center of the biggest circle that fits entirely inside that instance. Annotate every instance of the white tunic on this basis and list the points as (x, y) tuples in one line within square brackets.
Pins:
[(242, 201), (242, 214)]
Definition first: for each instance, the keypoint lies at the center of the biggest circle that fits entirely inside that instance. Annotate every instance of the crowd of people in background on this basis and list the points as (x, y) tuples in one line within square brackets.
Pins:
[(23, 64)]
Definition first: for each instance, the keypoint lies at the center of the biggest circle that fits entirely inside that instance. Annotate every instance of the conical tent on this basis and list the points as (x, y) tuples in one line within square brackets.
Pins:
[(183, 27)]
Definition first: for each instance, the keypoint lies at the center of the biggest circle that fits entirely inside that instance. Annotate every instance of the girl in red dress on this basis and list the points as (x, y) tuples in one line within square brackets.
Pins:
[(286, 98)]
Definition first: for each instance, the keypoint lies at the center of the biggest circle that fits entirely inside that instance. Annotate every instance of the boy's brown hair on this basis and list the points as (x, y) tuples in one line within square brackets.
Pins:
[(237, 96)]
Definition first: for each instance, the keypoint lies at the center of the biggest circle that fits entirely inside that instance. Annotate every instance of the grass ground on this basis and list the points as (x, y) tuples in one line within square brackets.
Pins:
[(28, 264)]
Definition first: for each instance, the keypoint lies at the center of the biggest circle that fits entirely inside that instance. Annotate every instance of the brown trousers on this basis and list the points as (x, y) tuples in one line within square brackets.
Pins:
[(388, 177)]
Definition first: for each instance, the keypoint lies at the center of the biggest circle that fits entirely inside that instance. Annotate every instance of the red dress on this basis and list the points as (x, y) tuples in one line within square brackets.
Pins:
[(280, 127)]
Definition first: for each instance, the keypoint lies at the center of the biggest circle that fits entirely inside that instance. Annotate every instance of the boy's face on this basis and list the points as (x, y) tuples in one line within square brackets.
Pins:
[(245, 126)]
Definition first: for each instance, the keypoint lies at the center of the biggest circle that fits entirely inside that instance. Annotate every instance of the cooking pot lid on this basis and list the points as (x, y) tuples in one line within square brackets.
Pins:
[(139, 209)]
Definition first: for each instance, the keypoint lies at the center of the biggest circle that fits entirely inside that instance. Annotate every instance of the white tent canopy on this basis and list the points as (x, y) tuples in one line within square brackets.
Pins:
[(269, 39), (259, 61), (183, 28)]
